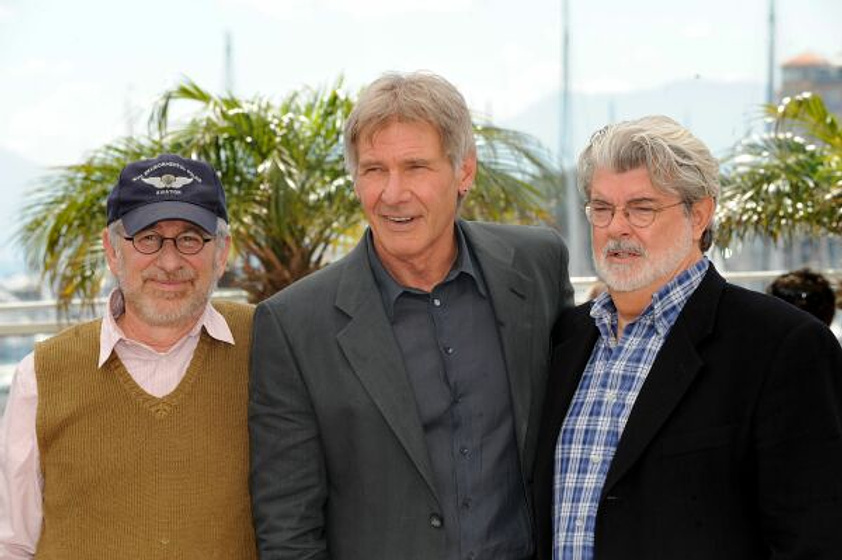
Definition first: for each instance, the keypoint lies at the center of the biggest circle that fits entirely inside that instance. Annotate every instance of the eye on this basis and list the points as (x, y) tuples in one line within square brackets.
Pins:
[(641, 208), (189, 241), (147, 236), (148, 239)]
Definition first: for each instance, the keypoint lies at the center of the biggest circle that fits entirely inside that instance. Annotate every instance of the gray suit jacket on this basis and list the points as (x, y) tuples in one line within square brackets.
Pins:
[(340, 467)]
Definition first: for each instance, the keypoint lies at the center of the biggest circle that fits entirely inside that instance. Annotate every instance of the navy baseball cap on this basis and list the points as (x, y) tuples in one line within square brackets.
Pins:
[(168, 187)]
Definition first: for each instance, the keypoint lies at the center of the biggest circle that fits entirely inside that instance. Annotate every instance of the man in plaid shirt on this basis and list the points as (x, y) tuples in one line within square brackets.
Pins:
[(684, 417)]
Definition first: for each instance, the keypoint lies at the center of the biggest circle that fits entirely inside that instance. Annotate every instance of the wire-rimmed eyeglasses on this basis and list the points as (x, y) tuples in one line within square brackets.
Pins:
[(638, 214), (187, 243)]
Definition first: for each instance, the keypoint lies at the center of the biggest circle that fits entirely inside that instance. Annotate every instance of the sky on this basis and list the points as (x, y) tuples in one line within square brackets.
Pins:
[(78, 74)]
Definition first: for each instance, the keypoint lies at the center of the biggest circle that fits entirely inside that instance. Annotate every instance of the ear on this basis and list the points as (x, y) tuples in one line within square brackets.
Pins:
[(223, 257), (110, 252), (701, 215), (466, 173)]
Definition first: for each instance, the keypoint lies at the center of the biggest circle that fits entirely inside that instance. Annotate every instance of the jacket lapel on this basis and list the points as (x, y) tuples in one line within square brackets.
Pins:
[(512, 298), (677, 365), (571, 353), (369, 345)]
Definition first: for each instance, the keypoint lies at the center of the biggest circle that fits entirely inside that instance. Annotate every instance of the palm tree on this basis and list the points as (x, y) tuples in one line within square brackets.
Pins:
[(291, 203), (787, 182)]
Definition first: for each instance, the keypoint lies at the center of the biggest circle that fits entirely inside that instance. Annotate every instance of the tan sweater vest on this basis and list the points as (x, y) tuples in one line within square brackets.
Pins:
[(128, 475)]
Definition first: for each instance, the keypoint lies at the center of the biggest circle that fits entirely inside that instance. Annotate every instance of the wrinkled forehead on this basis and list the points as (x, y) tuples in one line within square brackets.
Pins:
[(369, 132), (634, 184)]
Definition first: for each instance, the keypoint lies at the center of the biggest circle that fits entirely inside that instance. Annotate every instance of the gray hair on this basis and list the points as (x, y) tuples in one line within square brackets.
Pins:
[(414, 97), (678, 163), (117, 231)]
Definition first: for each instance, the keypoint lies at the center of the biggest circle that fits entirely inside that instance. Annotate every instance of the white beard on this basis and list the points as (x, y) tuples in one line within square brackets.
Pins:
[(647, 269)]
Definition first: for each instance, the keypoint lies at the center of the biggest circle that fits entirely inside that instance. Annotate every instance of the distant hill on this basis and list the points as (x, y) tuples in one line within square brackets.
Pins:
[(720, 114), (16, 180)]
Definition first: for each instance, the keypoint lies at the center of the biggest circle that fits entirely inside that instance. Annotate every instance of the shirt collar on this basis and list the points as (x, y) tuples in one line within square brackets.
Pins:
[(666, 304), (390, 289), (111, 334)]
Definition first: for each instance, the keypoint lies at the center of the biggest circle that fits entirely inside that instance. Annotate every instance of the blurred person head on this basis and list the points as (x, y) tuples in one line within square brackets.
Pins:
[(595, 290), (807, 290)]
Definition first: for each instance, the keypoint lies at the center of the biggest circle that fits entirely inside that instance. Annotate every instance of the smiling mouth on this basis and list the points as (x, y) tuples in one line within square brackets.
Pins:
[(399, 219)]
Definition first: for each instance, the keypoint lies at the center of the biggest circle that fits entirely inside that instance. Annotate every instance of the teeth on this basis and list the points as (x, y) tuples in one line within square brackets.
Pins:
[(396, 219)]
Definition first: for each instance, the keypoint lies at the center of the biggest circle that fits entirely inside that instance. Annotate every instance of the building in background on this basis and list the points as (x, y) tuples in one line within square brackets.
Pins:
[(811, 72)]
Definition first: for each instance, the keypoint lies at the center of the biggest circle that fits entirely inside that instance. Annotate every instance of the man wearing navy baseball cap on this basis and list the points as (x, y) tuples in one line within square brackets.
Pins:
[(126, 437)]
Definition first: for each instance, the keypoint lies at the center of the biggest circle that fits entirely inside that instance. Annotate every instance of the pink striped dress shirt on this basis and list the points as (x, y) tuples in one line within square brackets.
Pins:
[(20, 473)]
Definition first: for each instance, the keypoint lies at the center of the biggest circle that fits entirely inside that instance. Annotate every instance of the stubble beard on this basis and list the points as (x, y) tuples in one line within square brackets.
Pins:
[(151, 305)]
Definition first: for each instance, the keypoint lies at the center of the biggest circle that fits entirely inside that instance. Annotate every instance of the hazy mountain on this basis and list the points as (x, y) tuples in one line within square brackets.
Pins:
[(718, 113), (16, 180)]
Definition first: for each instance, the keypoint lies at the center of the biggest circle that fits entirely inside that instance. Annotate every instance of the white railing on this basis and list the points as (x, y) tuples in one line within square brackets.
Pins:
[(23, 326)]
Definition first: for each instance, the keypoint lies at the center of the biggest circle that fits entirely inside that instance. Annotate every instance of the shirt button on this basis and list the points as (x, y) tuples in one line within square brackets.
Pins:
[(436, 521), (463, 451), (596, 457), (466, 503), (448, 350), (580, 523), (611, 396), (436, 302)]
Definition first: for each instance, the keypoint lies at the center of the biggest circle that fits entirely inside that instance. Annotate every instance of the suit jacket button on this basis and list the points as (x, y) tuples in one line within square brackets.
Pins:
[(436, 521)]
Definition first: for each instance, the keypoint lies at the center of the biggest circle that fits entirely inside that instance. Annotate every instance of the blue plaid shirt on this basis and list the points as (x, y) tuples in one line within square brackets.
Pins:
[(600, 408)]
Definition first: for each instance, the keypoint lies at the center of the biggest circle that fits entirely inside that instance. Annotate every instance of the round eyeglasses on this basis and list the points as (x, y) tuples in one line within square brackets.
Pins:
[(638, 214), (186, 243)]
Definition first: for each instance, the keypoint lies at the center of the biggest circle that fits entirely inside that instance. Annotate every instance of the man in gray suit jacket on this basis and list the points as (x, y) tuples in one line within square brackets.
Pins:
[(395, 394)]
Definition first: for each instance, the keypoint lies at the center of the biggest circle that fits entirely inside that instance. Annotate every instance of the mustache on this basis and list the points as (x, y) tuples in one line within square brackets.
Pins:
[(623, 246), (179, 275)]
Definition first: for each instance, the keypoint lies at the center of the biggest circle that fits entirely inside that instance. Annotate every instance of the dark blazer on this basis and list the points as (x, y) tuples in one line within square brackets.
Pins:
[(733, 449), (340, 467)]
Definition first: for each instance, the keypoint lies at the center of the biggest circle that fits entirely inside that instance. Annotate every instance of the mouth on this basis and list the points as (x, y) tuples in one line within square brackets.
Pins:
[(622, 255), (399, 220), (623, 252), (169, 288), (172, 284)]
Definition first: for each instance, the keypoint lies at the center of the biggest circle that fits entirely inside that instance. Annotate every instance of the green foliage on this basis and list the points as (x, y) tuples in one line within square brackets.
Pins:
[(291, 203), (289, 197), (787, 182)]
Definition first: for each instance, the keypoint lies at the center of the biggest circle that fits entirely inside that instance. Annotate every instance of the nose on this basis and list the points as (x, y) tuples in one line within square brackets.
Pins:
[(619, 225), (394, 190), (168, 257)]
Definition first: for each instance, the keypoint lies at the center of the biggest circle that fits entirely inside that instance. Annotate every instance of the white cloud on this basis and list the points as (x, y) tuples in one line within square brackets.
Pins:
[(278, 9), (385, 7), (293, 9), (51, 128), (700, 30), (603, 85), (7, 12), (35, 67), (522, 78)]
